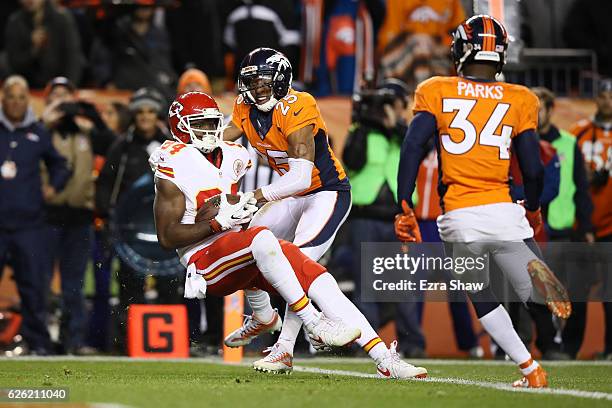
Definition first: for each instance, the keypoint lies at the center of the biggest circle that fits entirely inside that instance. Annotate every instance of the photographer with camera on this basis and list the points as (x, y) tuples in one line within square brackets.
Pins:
[(77, 133), (594, 137), (372, 155)]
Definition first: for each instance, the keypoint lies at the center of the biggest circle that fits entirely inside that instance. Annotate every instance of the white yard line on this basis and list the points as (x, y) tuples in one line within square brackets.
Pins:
[(460, 381)]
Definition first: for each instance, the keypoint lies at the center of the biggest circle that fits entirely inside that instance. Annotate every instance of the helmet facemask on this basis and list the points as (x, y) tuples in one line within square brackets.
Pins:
[(205, 129), (258, 87)]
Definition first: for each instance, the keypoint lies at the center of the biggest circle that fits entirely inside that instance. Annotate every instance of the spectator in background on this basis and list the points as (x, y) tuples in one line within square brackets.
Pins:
[(193, 80), (136, 54), (372, 157), (338, 46), (250, 24), (436, 18), (77, 133), (196, 19), (42, 42), (127, 161), (23, 144), (415, 36), (116, 116), (594, 138), (588, 26)]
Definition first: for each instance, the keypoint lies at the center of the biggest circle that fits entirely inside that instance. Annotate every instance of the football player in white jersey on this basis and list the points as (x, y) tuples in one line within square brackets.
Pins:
[(222, 257)]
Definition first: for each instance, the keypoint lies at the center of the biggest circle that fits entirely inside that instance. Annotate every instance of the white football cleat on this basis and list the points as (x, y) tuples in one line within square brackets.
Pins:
[(278, 361), (333, 333), (251, 328), (392, 366)]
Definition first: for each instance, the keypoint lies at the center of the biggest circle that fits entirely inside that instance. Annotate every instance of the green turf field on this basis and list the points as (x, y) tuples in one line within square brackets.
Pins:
[(201, 383)]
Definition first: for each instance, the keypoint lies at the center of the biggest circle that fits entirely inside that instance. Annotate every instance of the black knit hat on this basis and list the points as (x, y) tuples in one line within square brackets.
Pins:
[(146, 97)]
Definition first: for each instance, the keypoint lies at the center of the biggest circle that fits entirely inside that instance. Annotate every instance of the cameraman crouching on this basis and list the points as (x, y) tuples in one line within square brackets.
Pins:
[(78, 133), (371, 155)]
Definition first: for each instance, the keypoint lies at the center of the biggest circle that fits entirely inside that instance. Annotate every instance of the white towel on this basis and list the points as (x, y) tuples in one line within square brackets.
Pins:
[(195, 284)]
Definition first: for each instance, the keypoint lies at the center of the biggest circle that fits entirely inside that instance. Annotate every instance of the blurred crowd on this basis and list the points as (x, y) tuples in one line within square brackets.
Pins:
[(128, 44), (63, 172)]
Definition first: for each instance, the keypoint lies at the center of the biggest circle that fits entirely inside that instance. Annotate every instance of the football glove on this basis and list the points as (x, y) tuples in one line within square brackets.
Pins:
[(406, 226), (534, 218), (233, 215)]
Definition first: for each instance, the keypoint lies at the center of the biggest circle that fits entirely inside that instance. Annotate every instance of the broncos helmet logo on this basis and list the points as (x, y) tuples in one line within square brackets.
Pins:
[(280, 59)]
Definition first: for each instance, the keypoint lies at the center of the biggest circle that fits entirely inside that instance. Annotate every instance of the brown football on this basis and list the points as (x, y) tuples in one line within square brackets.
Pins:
[(210, 208)]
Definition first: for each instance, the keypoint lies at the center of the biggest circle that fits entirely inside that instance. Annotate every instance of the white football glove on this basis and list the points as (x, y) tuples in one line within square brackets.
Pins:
[(232, 215)]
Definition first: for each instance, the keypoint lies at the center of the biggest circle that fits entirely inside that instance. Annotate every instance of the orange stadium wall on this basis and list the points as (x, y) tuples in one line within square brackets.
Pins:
[(336, 111)]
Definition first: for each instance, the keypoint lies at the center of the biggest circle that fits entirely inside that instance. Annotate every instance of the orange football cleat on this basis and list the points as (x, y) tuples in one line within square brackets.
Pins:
[(535, 379), (554, 293)]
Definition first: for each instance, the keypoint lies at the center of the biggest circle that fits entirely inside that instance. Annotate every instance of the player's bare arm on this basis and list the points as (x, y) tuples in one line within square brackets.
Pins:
[(169, 208), (301, 147), (231, 132), (301, 144)]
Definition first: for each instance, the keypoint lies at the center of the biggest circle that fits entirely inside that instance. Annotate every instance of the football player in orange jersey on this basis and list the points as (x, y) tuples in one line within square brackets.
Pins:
[(474, 119), (306, 205)]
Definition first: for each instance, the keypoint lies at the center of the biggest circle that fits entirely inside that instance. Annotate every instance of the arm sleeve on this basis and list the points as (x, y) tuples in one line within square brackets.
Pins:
[(552, 178), (527, 152), (296, 180), (414, 148), (582, 199), (58, 169)]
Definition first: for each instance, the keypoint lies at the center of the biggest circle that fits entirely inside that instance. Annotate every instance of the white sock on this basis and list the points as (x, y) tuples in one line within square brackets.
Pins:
[(291, 328), (528, 366), (276, 269), (499, 326), (332, 302), (259, 301)]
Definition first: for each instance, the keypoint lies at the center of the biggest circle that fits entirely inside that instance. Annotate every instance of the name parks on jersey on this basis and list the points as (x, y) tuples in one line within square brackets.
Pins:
[(425, 285), (489, 91)]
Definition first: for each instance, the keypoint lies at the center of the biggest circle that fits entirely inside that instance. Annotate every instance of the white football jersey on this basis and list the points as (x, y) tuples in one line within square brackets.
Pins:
[(199, 179)]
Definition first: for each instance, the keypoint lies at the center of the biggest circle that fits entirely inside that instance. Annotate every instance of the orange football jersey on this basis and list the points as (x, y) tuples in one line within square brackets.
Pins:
[(437, 18), (268, 132), (596, 146), (476, 122)]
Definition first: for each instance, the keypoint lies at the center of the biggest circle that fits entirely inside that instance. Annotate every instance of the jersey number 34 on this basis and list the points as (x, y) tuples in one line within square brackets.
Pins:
[(487, 136)]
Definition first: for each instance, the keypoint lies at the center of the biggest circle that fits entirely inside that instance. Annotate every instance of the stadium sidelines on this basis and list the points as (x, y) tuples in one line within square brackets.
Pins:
[(314, 370)]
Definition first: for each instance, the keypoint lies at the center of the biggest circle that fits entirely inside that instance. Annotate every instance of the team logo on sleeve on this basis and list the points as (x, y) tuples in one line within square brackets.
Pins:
[(238, 166)]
